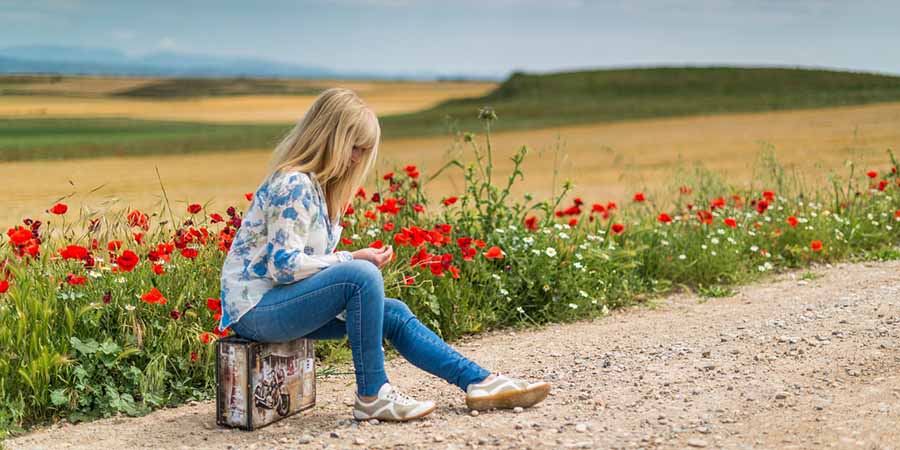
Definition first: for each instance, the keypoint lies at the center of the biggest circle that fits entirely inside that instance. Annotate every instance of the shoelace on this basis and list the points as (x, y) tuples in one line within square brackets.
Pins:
[(400, 397)]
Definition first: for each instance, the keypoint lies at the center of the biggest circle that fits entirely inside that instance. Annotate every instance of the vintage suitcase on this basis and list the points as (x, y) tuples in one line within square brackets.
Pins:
[(260, 383)]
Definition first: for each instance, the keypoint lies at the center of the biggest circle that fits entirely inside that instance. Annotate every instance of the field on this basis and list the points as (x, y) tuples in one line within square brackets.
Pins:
[(605, 161)]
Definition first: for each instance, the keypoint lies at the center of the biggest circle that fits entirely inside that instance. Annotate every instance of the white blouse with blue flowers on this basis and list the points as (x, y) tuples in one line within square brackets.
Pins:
[(285, 236)]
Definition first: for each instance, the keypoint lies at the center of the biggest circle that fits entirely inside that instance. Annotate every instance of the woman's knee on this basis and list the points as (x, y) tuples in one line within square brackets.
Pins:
[(396, 315), (362, 273)]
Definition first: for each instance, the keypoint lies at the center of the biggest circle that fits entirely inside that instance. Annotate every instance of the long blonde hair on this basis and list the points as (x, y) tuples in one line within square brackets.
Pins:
[(322, 142)]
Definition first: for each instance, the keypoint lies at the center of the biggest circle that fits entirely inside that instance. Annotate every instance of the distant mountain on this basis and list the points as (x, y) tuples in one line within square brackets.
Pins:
[(52, 59)]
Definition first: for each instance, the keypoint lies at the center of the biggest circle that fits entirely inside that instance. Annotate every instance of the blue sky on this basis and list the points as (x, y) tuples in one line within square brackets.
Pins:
[(490, 37)]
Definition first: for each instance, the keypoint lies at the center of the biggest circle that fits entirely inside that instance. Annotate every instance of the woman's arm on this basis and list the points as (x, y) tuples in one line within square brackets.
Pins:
[(288, 218)]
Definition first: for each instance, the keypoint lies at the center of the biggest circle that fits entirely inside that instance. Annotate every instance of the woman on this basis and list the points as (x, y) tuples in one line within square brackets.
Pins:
[(282, 279)]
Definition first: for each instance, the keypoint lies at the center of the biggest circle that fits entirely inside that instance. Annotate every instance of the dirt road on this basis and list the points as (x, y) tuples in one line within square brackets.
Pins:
[(786, 364)]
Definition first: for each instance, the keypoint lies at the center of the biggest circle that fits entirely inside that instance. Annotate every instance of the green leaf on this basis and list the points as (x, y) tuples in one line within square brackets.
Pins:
[(86, 348), (58, 397)]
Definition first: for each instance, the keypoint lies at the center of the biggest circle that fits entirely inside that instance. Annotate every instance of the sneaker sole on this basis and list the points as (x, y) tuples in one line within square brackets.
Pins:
[(391, 419), (511, 399)]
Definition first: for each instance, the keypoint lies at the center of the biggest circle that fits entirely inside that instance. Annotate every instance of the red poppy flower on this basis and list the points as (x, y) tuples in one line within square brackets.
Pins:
[(194, 357), (479, 243), (454, 272), (377, 244), (872, 174), (59, 209), (531, 223), (4, 286), (19, 236), (411, 171), (388, 176), (127, 261), (194, 208), (792, 221), (74, 280), (138, 219), (189, 253), (705, 217), (213, 304), (597, 207), (153, 296), (370, 215), (717, 203), (897, 215), (174, 314), (139, 238), (815, 245), (346, 241), (449, 201), (159, 269), (882, 185), (216, 218), (664, 218), (494, 253), (114, 246), (408, 280), (361, 193), (249, 196), (205, 338), (769, 195), (685, 190), (618, 228), (418, 207), (74, 252), (762, 206), (730, 222), (639, 197), (388, 226), (611, 205), (573, 222)]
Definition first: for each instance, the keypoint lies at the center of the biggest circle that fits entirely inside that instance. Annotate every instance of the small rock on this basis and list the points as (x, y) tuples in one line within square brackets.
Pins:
[(373, 422), (581, 427), (781, 396), (518, 409), (359, 441), (335, 435), (438, 438), (473, 413), (698, 443), (305, 439)]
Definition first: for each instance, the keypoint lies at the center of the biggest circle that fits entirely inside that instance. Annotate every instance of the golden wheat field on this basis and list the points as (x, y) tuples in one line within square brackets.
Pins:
[(605, 161), (87, 98)]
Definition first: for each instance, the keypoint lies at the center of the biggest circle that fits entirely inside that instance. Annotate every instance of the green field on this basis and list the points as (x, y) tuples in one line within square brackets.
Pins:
[(538, 101), (522, 102), (29, 139)]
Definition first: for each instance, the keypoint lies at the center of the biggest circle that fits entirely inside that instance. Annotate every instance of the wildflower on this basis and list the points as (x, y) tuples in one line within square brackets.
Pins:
[(127, 261), (618, 228), (114, 246), (717, 203), (75, 280), (216, 218), (573, 306), (175, 314), (130, 308), (494, 253), (792, 221), (194, 357), (249, 196), (872, 174), (154, 297), (639, 197), (19, 236), (74, 252), (408, 280), (449, 201), (194, 208), (531, 223), (205, 338), (189, 253), (730, 222), (4, 286), (664, 218), (214, 304), (550, 251), (762, 206), (682, 257), (59, 209), (816, 245), (138, 219)]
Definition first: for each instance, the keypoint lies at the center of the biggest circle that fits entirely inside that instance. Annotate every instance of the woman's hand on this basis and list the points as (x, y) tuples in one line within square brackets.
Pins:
[(378, 256)]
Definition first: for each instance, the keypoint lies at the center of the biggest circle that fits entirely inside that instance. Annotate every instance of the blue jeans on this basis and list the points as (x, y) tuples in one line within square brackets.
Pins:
[(308, 308)]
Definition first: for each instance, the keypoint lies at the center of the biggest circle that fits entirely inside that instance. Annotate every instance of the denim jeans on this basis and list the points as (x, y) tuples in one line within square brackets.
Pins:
[(308, 309)]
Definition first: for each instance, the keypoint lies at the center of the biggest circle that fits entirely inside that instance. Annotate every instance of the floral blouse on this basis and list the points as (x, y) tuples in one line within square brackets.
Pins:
[(285, 236)]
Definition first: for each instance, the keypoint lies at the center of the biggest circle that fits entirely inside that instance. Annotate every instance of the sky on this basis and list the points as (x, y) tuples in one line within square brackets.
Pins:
[(477, 37)]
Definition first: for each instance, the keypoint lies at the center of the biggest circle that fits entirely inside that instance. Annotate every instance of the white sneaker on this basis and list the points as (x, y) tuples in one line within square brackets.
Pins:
[(391, 405), (504, 392)]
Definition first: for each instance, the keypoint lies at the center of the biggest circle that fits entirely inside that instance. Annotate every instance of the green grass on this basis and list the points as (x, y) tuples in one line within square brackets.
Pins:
[(30, 139), (537, 101), (526, 101), (205, 87)]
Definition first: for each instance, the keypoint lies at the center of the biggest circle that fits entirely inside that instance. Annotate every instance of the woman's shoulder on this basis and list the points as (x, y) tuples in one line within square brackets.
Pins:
[(285, 186)]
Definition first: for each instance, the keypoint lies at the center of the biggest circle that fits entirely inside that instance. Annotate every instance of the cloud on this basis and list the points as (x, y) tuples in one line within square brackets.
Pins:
[(166, 43)]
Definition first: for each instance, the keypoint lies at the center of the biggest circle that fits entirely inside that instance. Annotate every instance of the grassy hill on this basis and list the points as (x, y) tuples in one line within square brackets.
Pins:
[(534, 101), (524, 101)]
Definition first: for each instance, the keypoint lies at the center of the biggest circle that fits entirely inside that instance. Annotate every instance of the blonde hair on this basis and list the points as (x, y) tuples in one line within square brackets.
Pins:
[(322, 142)]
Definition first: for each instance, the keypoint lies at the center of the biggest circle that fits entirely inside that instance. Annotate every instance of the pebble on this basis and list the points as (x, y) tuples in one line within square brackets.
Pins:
[(305, 439), (335, 435), (373, 422), (518, 409), (473, 413), (581, 427), (438, 438), (359, 441), (697, 443), (781, 396)]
